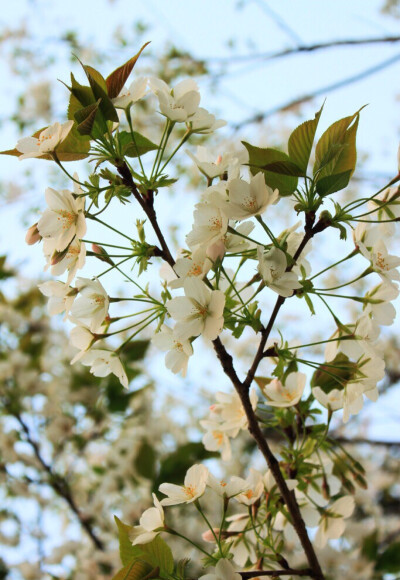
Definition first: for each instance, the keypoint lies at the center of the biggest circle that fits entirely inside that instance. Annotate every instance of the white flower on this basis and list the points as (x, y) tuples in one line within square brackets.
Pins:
[(255, 487), (127, 97), (61, 296), (64, 219), (332, 523), (210, 225), (72, 258), (194, 486), (200, 311), (216, 439), (179, 103), (45, 143), (333, 400), (81, 337), (231, 412), (248, 199), (208, 165), (223, 571), (227, 489), (287, 394), (204, 122), (293, 241), (272, 268), (150, 523), (381, 261), (382, 312), (178, 353), (92, 304), (197, 265), (104, 362)]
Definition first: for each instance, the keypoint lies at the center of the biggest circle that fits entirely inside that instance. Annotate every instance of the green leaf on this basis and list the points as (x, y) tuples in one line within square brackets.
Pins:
[(259, 158), (145, 461), (331, 183), (116, 80), (284, 168), (158, 553), (99, 89), (370, 546), (134, 148), (82, 97), (135, 571), (301, 141), (86, 117), (336, 150), (389, 561), (127, 552), (181, 565), (135, 350)]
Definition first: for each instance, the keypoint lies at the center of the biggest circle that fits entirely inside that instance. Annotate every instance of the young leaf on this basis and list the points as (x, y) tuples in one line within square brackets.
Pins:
[(336, 150), (86, 118), (127, 552), (284, 168), (116, 80), (158, 553), (99, 88), (331, 183), (259, 158), (134, 148), (135, 571), (301, 141)]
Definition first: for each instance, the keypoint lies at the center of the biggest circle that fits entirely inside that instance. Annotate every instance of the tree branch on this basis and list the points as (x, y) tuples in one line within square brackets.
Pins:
[(59, 485), (263, 56), (322, 91), (243, 388)]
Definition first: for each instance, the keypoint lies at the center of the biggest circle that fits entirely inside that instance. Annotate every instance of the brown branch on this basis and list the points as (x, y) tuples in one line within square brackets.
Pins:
[(59, 485), (322, 91), (147, 205), (263, 56), (243, 388)]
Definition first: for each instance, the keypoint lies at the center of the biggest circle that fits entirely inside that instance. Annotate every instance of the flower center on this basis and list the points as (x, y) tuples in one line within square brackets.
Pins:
[(190, 490)]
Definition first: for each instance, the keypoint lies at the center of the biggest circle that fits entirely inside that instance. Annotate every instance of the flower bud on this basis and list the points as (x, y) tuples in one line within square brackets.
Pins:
[(58, 256), (208, 536), (32, 235), (101, 254)]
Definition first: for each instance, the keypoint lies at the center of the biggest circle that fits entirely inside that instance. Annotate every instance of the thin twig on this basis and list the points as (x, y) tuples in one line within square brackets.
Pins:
[(301, 48), (258, 118)]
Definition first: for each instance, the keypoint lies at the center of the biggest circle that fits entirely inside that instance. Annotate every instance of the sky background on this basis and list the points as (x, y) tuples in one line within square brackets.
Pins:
[(223, 33), (214, 30)]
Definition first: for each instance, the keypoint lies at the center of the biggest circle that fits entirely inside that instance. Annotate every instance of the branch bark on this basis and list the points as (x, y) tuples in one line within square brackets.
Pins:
[(243, 388)]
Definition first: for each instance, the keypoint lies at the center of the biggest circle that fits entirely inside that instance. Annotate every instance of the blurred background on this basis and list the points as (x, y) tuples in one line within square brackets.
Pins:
[(74, 451)]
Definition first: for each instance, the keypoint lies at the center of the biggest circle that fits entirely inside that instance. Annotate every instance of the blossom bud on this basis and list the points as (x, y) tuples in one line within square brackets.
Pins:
[(58, 256), (216, 251), (101, 254), (208, 536), (32, 235)]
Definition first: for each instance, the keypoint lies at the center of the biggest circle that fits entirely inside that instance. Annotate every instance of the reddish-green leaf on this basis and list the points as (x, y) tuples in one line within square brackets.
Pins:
[(116, 80), (86, 118), (136, 571)]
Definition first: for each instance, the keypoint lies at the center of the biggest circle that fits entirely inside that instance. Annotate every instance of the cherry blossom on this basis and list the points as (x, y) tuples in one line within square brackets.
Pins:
[(46, 142)]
